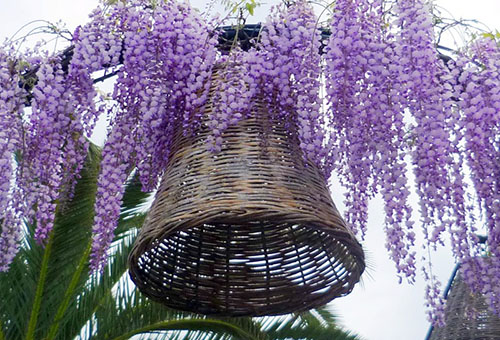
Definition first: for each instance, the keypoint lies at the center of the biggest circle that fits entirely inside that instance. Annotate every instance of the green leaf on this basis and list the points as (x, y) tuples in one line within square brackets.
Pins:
[(250, 7), (75, 304), (488, 35), (37, 302)]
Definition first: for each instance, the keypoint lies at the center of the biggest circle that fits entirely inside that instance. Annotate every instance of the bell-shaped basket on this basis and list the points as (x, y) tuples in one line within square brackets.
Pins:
[(467, 316), (248, 231)]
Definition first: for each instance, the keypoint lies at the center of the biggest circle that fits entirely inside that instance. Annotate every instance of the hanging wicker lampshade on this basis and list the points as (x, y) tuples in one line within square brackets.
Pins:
[(467, 316), (249, 231)]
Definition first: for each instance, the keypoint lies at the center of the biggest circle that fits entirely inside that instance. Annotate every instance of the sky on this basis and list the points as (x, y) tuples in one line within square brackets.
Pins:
[(379, 308)]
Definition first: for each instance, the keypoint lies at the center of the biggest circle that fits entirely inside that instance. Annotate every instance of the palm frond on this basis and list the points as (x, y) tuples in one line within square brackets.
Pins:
[(17, 291), (72, 234), (71, 237), (251, 326), (106, 305), (97, 292), (90, 291), (202, 325), (71, 230), (326, 315), (318, 324)]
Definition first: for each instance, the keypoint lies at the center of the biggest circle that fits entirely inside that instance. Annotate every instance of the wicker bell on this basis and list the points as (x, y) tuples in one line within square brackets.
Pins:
[(249, 231), (467, 316)]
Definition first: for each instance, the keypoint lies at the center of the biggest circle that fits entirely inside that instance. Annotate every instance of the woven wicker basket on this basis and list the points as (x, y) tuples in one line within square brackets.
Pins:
[(248, 231), (467, 316)]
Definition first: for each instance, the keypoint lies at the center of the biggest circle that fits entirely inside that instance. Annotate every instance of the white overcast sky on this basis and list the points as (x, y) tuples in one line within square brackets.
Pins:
[(379, 308)]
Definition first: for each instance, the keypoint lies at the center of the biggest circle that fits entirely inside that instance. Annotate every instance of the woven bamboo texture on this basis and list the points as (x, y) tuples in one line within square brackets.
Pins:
[(249, 231), (467, 316)]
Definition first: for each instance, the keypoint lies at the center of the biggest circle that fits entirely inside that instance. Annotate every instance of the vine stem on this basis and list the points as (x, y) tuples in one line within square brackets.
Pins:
[(39, 289), (68, 294)]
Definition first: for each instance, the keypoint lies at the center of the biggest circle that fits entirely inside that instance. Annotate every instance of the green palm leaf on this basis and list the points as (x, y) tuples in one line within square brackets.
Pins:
[(317, 324), (49, 294)]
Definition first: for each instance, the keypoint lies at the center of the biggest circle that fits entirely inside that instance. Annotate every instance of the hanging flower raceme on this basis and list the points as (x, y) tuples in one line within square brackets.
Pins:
[(55, 144), (346, 65), (44, 153), (167, 61), (381, 116), (115, 168), (479, 85), (368, 147), (11, 106), (286, 70), (11, 135), (97, 46), (429, 102), (480, 81), (63, 115), (231, 98), (435, 151)]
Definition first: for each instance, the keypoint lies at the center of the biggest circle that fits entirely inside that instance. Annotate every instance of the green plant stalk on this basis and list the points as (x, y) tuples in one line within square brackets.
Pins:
[(2, 337), (193, 324), (37, 303), (68, 294)]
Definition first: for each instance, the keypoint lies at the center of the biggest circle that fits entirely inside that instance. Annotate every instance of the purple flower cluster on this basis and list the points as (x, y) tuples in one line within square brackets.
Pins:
[(167, 62), (429, 102), (97, 46), (379, 76), (477, 75), (367, 141), (115, 169), (345, 74), (45, 152), (434, 300), (11, 130), (286, 70), (62, 116), (231, 99), (435, 149)]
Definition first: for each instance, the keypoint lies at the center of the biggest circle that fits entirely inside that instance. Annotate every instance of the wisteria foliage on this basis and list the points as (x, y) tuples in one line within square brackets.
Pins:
[(388, 99)]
